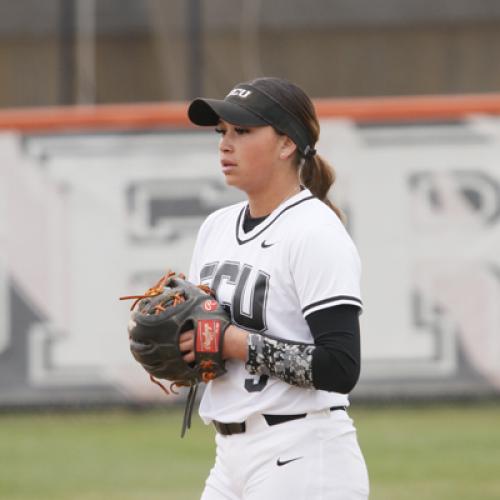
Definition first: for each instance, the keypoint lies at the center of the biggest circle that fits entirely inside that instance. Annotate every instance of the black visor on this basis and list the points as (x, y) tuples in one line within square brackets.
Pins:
[(247, 106)]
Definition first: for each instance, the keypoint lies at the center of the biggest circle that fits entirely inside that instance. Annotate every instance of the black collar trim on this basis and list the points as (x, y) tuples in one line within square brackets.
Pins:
[(242, 212)]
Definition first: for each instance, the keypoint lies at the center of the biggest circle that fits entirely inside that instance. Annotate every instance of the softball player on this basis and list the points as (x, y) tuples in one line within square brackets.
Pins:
[(284, 266)]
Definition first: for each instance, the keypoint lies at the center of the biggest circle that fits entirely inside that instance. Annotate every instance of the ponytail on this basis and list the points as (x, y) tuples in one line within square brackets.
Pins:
[(317, 175)]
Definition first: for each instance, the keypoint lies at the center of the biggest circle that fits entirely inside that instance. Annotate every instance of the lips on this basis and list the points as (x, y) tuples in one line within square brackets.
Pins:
[(227, 166)]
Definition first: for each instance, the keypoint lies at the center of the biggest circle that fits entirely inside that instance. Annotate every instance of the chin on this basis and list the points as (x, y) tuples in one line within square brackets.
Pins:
[(228, 180), (236, 182), (231, 181)]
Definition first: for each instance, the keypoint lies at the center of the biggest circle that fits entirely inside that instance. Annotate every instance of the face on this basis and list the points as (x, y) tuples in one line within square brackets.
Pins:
[(250, 157)]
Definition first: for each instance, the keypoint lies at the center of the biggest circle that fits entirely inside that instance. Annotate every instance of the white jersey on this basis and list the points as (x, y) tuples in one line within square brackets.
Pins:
[(299, 260)]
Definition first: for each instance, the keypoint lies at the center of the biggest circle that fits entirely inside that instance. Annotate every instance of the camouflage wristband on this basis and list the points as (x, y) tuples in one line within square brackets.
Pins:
[(290, 362)]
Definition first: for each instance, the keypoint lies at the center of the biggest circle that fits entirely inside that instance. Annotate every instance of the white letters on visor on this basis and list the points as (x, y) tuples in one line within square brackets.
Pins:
[(240, 92)]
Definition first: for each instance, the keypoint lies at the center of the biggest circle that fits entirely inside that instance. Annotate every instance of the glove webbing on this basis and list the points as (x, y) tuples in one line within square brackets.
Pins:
[(158, 290)]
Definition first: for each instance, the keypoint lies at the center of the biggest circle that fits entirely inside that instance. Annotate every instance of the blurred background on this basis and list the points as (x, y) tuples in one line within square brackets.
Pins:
[(108, 51), (104, 183)]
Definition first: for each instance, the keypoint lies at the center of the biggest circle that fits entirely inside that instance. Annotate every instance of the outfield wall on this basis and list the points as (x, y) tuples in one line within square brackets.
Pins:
[(87, 217)]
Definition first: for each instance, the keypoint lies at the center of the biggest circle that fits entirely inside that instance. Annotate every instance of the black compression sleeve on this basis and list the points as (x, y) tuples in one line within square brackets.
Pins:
[(336, 361), (332, 363)]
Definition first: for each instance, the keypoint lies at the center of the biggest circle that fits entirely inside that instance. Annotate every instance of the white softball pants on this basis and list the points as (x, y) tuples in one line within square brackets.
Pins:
[(314, 458)]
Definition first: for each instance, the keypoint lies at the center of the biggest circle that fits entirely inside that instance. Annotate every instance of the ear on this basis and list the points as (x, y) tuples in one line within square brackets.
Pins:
[(288, 148)]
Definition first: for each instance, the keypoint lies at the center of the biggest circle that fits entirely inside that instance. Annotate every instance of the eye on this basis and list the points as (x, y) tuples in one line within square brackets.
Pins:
[(219, 130), (241, 131)]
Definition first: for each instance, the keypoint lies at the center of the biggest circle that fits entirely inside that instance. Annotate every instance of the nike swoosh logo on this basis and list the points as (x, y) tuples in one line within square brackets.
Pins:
[(279, 462), (266, 245)]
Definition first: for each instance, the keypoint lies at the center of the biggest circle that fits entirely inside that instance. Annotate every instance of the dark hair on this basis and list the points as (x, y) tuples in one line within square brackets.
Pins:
[(316, 174)]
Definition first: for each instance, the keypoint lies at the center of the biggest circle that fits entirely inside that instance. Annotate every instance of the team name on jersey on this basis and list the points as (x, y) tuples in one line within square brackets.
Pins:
[(243, 281)]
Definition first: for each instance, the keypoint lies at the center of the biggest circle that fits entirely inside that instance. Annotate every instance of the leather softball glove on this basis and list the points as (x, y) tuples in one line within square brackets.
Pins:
[(158, 318)]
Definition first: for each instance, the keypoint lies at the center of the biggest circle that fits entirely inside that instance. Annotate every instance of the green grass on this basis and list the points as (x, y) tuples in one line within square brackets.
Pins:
[(440, 453), (412, 453)]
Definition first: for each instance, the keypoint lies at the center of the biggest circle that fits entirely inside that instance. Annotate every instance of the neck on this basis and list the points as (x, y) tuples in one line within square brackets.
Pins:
[(263, 202)]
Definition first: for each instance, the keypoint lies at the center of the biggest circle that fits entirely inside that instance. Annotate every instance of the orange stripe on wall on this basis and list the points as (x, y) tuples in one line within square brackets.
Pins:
[(409, 108), (161, 115)]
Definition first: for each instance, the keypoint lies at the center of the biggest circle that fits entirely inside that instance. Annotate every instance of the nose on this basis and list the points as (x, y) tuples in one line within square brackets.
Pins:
[(225, 145)]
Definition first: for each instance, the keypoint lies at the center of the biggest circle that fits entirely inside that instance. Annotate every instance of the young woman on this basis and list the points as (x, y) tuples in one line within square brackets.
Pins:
[(285, 268)]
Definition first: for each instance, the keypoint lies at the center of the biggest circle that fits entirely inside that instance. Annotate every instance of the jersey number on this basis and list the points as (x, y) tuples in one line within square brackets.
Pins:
[(248, 302), (256, 385)]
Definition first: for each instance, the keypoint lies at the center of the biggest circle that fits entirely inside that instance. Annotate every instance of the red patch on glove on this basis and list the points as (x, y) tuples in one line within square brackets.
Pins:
[(207, 335)]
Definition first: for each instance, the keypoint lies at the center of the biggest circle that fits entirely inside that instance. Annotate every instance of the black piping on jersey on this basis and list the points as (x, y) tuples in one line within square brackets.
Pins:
[(242, 242), (337, 298)]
